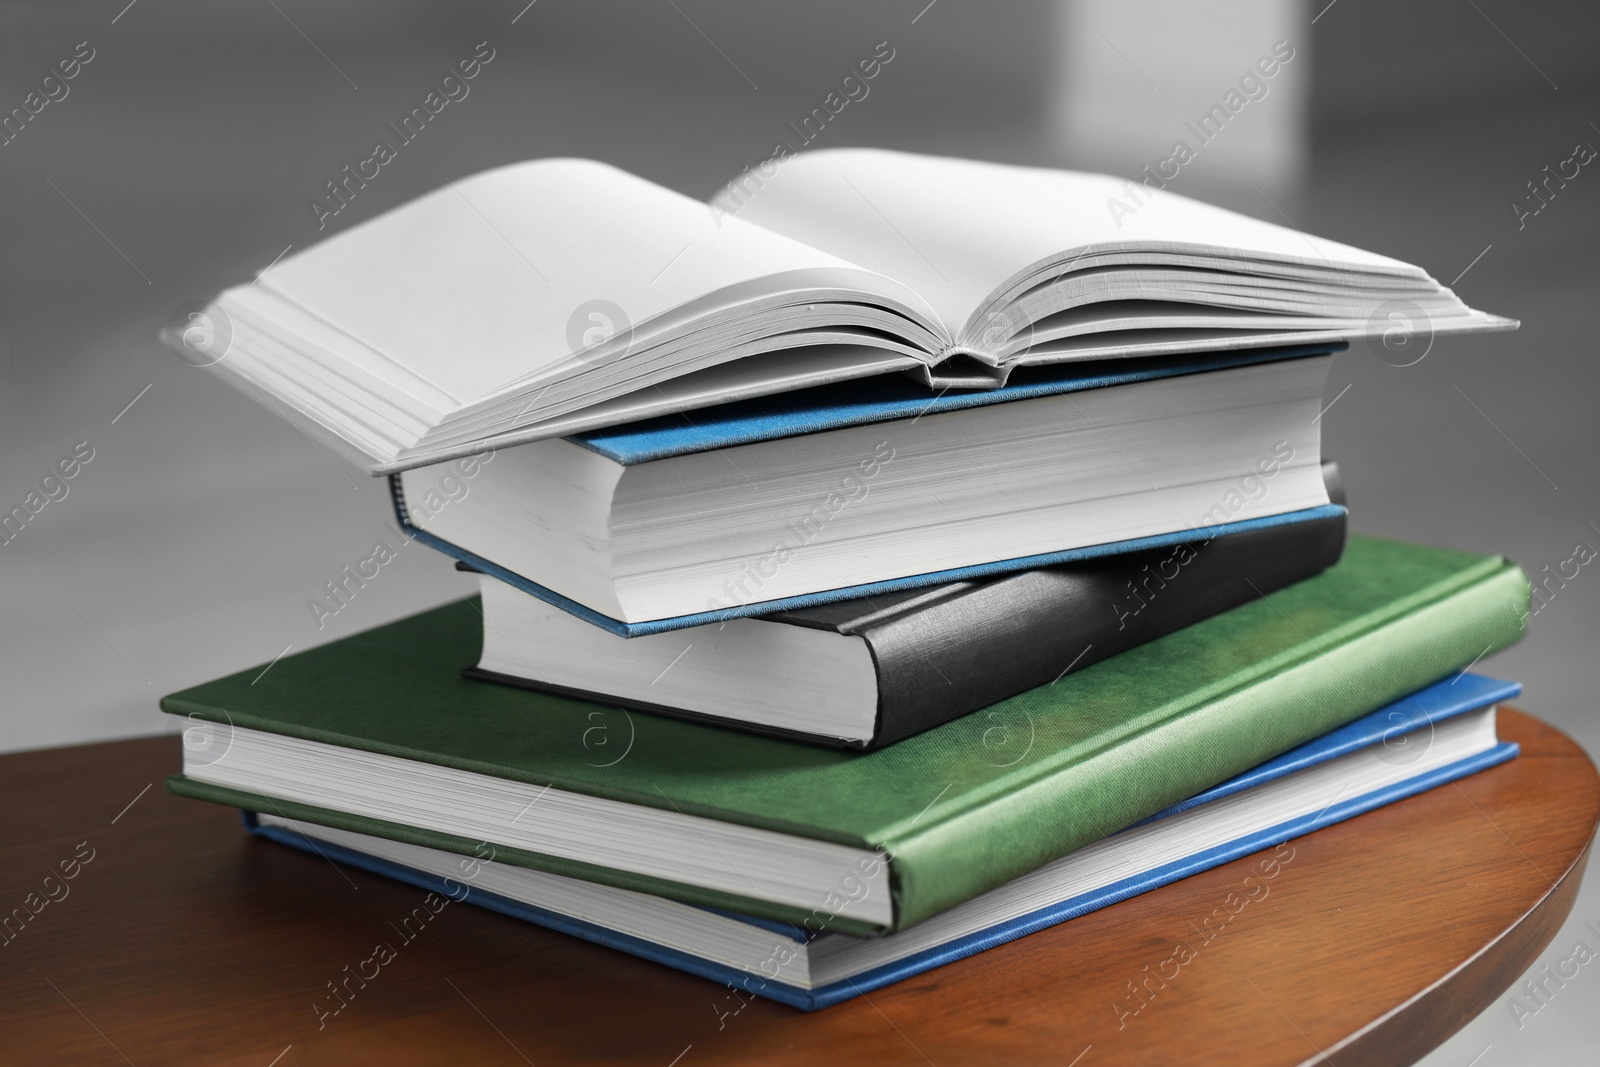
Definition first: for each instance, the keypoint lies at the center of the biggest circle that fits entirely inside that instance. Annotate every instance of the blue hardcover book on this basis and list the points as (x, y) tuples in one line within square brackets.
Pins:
[(873, 487), (1434, 736)]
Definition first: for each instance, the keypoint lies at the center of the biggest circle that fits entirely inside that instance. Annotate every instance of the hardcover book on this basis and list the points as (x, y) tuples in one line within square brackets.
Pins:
[(379, 734), (543, 298), (811, 499), (1438, 735)]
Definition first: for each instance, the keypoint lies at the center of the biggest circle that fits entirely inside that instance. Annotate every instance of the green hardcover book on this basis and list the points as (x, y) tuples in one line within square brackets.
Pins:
[(379, 733)]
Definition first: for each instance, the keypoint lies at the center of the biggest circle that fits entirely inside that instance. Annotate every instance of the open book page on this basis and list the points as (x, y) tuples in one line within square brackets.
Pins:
[(503, 276), (958, 231)]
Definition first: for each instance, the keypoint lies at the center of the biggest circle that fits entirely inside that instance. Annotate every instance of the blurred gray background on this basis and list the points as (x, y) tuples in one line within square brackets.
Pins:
[(185, 152)]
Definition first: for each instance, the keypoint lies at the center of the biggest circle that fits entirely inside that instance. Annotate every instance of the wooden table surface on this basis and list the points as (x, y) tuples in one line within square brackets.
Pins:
[(180, 940)]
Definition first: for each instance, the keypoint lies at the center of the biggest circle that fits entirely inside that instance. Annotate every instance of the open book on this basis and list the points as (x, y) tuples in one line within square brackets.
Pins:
[(546, 298)]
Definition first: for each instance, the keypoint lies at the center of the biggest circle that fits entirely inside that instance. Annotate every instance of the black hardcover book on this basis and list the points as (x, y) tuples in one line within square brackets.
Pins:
[(866, 673)]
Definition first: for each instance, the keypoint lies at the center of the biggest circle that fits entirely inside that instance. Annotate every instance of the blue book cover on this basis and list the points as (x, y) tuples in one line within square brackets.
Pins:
[(1404, 730), (887, 397)]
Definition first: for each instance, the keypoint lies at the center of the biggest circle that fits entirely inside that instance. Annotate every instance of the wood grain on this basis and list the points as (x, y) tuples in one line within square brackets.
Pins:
[(183, 941)]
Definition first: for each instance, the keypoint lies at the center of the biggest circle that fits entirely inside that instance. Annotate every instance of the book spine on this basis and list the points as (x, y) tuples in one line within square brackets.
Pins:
[(999, 638), (1051, 811)]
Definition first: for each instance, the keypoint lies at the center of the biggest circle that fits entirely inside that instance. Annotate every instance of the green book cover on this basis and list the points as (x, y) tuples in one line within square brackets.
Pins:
[(958, 809)]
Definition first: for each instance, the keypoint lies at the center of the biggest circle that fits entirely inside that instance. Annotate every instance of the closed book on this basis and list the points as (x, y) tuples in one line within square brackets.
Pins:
[(866, 673), (870, 488), (1438, 735), (379, 734)]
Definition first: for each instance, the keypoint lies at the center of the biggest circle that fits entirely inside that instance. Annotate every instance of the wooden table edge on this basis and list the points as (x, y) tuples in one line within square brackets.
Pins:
[(1462, 993)]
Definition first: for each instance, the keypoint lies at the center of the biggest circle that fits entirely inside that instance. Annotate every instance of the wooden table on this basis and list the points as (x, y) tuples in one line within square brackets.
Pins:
[(183, 941)]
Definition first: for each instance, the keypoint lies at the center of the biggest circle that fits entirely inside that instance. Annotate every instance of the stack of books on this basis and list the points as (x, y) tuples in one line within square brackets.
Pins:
[(917, 558)]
